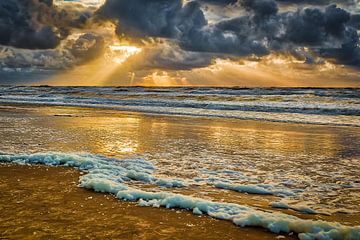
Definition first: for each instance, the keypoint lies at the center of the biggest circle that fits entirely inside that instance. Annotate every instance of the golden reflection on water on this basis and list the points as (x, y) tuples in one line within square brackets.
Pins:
[(126, 147), (283, 138), (181, 147), (121, 134)]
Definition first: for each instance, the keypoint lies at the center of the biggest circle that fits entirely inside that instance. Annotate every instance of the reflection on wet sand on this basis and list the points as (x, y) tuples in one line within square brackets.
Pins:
[(186, 147)]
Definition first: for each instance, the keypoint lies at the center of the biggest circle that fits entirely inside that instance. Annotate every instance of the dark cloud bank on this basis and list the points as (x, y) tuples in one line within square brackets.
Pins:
[(40, 26), (318, 29), (327, 30), (36, 24)]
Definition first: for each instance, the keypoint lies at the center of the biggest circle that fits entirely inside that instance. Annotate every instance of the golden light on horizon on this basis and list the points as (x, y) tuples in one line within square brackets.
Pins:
[(125, 63), (163, 78)]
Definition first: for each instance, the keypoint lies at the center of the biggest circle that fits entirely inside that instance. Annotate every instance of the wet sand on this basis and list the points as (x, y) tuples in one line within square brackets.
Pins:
[(39, 202)]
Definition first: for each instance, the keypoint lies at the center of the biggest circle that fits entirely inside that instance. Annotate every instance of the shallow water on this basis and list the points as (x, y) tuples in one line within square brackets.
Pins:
[(307, 168), (301, 165)]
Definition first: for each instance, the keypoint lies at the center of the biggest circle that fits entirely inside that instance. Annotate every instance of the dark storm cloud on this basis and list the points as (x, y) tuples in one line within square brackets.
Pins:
[(219, 2), (290, 2), (348, 54), (85, 48), (88, 46), (47, 2), (222, 38), (319, 2), (309, 27), (260, 7), (159, 18), (355, 21), (312, 26), (262, 30), (18, 29), (262, 27), (36, 24)]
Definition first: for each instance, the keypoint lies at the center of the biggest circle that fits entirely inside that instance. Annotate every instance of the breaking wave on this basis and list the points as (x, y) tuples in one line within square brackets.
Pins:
[(308, 106)]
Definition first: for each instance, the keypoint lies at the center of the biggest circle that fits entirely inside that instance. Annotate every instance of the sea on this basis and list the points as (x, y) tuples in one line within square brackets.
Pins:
[(296, 105), (205, 150)]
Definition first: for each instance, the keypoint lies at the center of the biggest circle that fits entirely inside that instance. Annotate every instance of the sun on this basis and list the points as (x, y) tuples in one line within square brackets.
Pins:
[(120, 53)]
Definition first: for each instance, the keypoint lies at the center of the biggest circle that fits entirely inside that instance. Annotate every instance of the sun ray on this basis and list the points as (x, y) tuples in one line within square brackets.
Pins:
[(97, 71)]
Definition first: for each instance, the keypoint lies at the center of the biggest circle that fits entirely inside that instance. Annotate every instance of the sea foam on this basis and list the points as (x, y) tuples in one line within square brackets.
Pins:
[(262, 189), (115, 176)]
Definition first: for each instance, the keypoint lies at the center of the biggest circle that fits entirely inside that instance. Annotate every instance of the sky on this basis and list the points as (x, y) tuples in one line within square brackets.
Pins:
[(245, 43)]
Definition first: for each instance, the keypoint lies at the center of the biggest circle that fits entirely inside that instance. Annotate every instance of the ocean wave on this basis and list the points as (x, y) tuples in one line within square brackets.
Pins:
[(308, 106), (255, 106), (337, 120)]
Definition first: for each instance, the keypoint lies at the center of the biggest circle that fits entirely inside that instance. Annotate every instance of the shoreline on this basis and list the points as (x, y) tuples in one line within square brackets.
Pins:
[(69, 129), (40, 202)]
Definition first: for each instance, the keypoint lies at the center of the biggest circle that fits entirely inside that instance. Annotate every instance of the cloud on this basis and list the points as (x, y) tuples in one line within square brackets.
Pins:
[(17, 28), (88, 46), (348, 54), (37, 34), (85, 48), (219, 2), (255, 28), (281, 3), (260, 31), (157, 18), (170, 56), (315, 27), (355, 21), (261, 8), (37, 24), (320, 2)]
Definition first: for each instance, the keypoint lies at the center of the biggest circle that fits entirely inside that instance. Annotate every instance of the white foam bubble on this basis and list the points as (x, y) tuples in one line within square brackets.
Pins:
[(298, 208), (110, 175), (255, 189)]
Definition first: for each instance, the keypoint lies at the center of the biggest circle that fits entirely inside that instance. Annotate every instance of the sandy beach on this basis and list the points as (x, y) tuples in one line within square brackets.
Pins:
[(180, 119), (45, 203), (40, 202)]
